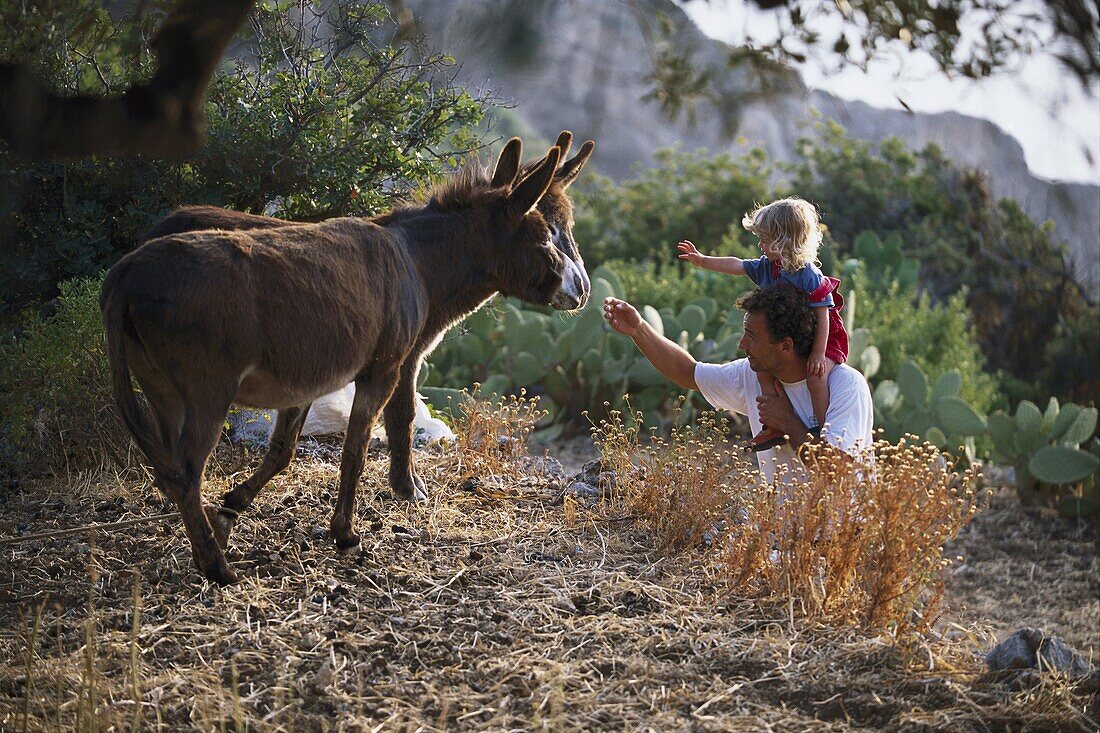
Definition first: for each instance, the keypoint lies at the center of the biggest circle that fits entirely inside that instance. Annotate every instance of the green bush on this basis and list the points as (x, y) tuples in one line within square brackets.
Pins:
[(938, 337), (1015, 275), (55, 388), (686, 195), (675, 287)]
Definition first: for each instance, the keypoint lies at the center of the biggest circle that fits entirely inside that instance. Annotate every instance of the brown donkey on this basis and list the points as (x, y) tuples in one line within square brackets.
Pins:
[(275, 317)]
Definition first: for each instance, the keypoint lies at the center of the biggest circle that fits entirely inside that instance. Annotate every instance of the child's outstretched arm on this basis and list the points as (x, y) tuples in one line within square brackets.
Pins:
[(816, 364), (728, 265)]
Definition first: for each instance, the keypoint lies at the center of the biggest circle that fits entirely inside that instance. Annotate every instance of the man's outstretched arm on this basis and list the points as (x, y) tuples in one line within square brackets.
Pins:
[(667, 357)]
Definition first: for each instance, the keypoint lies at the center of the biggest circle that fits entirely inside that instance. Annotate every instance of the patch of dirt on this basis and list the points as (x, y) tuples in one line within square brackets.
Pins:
[(1028, 567), (487, 608)]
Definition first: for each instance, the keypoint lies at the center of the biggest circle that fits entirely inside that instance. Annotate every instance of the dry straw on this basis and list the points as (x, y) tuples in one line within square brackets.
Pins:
[(481, 609), (854, 543)]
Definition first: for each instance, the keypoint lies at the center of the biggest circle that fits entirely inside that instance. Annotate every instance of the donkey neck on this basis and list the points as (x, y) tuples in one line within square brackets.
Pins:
[(448, 250)]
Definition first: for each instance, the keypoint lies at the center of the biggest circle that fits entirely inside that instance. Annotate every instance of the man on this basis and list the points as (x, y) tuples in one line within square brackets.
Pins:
[(778, 337)]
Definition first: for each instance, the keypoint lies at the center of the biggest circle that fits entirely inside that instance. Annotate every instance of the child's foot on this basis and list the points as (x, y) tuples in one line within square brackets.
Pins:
[(766, 440)]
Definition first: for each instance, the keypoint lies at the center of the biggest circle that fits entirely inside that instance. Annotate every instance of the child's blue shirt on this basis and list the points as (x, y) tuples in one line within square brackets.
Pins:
[(809, 279)]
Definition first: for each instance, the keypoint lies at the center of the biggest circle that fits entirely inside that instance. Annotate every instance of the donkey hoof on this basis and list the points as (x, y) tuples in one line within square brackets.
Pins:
[(348, 545), (414, 491), (221, 574)]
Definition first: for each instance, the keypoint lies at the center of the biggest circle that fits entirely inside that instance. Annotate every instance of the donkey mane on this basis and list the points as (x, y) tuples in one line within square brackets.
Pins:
[(469, 187)]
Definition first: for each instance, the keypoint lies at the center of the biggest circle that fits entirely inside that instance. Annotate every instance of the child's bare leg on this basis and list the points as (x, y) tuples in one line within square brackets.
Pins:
[(767, 437), (819, 391)]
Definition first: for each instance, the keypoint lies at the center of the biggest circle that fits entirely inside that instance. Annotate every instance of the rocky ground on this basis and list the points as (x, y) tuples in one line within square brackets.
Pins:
[(493, 607)]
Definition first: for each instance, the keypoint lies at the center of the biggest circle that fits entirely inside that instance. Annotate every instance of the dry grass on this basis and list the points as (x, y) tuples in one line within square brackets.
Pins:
[(481, 610), (848, 545)]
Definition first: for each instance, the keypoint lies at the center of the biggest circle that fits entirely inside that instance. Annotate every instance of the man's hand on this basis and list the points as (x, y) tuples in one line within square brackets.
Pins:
[(776, 412), (621, 316), (689, 253)]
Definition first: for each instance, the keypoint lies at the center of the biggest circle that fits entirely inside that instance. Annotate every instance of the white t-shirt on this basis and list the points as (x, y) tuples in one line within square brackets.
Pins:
[(849, 421)]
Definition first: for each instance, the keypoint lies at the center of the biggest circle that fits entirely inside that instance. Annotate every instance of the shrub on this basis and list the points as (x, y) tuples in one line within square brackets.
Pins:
[(938, 337), (675, 287), (690, 195), (849, 546), (55, 389), (1014, 275)]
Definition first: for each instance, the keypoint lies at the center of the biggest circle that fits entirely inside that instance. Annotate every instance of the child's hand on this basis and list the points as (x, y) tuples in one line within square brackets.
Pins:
[(689, 253), (816, 365)]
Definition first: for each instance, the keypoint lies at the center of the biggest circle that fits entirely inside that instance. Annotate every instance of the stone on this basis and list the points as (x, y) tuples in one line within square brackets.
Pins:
[(1033, 649)]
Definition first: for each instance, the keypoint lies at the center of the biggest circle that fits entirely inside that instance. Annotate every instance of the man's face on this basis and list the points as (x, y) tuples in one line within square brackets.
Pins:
[(756, 342)]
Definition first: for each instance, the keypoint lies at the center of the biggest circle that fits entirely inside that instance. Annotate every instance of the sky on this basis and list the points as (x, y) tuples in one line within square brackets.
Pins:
[(1039, 103)]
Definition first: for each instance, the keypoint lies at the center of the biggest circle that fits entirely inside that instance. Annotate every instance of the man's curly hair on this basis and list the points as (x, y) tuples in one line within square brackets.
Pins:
[(787, 315)]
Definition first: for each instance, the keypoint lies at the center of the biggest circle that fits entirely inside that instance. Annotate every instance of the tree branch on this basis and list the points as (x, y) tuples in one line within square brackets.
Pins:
[(163, 117)]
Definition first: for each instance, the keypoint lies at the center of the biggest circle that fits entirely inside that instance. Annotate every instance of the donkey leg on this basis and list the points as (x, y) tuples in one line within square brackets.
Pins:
[(280, 452), (201, 429), (399, 413), (370, 395)]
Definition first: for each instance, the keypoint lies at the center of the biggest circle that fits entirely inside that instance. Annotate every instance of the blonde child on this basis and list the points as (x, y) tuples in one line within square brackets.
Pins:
[(790, 236)]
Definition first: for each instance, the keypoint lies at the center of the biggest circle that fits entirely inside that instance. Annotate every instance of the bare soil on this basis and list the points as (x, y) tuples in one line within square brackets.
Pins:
[(492, 607)]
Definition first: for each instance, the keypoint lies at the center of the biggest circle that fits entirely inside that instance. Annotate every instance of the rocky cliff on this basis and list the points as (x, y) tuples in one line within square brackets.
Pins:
[(582, 65)]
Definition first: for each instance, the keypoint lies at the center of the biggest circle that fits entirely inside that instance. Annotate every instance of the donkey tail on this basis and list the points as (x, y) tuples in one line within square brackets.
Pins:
[(116, 321)]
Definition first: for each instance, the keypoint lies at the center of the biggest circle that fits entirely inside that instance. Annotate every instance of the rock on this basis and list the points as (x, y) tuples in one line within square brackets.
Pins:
[(1033, 649), (584, 490), (545, 466)]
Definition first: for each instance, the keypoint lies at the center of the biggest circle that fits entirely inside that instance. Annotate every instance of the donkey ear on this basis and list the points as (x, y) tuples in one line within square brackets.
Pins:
[(565, 139), (527, 193), (507, 164), (570, 169)]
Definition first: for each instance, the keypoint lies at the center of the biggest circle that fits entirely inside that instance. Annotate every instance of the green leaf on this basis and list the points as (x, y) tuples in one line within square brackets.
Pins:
[(913, 384), (1067, 414), (948, 385), (870, 361), (547, 404), (1028, 418), (527, 369), (592, 363), (693, 319), (867, 247), (673, 327), (644, 374), (548, 435), (445, 399), (1082, 427), (1059, 464), (653, 318), (472, 349), (858, 340), (936, 437), (557, 385), (908, 274), (958, 417), (495, 386), (709, 306), (606, 273), (886, 395), (1050, 414), (1002, 428)]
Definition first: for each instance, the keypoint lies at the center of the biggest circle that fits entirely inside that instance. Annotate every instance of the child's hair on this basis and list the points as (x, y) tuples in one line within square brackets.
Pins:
[(791, 224)]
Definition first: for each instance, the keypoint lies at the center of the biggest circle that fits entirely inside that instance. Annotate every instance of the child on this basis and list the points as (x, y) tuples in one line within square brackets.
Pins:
[(789, 236)]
